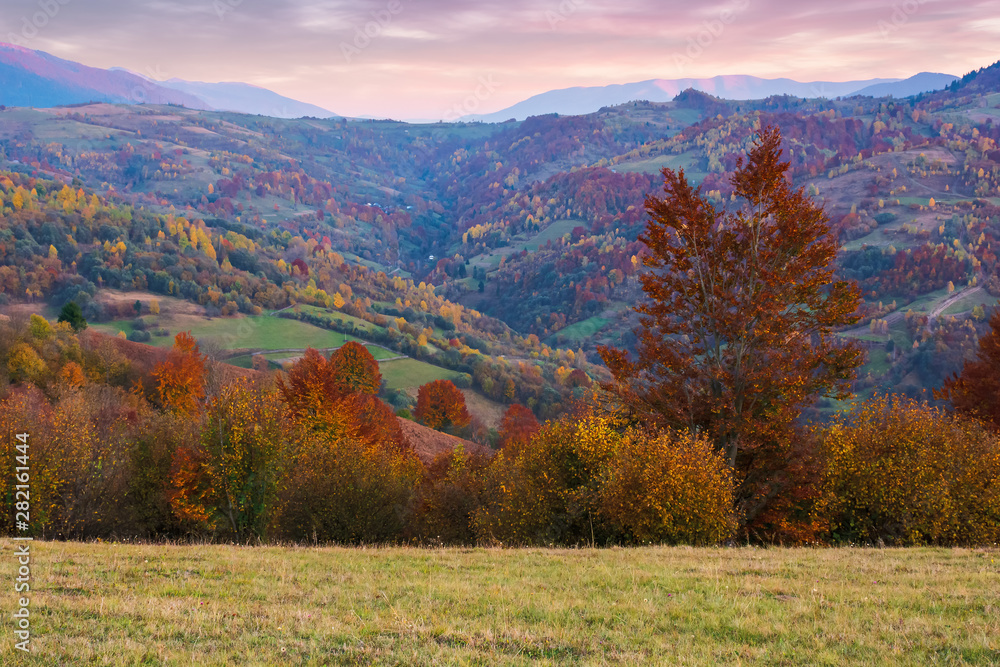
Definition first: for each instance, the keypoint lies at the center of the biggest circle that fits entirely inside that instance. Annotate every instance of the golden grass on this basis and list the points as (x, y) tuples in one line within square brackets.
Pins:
[(121, 604)]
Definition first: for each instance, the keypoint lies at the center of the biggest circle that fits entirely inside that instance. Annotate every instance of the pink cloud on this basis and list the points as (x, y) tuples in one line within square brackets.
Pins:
[(419, 59)]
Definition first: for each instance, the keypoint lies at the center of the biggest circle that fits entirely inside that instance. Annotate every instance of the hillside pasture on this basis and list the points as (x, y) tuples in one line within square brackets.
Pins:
[(410, 373), (261, 332), (101, 603)]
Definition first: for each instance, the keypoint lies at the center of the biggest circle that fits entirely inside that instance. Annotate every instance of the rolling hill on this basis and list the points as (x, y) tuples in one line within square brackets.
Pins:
[(509, 252)]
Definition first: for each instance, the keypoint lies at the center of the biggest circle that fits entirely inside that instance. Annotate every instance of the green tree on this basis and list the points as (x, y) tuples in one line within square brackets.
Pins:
[(73, 314)]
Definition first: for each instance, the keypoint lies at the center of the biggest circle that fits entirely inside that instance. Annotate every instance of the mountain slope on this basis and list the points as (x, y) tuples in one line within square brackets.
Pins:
[(246, 98), (916, 84), (38, 79)]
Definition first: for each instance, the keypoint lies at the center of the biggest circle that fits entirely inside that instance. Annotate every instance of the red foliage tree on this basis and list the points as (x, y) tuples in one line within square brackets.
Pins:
[(303, 268), (309, 388), (976, 390), (441, 406), (737, 333), (578, 378), (517, 427), (181, 378)]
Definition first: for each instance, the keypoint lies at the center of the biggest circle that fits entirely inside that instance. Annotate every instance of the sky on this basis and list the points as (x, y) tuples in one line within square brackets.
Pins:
[(410, 59)]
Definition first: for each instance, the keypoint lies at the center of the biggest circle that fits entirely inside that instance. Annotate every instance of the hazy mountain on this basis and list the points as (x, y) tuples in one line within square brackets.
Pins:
[(918, 83), (584, 100), (37, 79), (246, 98)]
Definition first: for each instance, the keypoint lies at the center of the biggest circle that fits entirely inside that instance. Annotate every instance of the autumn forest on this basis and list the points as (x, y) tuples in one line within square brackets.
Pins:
[(698, 322)]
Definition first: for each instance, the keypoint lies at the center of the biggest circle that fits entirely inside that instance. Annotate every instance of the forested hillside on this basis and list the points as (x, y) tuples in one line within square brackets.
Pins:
[(516, 239)]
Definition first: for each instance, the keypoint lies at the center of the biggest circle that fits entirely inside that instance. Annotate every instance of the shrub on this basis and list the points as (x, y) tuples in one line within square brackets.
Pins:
[(340, 490), (904, 473), (669, 488), (242, 457), (587, 479), (79, 449), (448, 497)]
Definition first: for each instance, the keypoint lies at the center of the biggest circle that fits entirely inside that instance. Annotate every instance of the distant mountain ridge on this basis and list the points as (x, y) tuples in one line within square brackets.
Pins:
[(924, 82), (247, 98), (584, 100), (37, 79)]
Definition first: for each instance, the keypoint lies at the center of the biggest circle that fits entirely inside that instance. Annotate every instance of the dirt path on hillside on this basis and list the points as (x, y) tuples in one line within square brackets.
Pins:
[(948, 302)]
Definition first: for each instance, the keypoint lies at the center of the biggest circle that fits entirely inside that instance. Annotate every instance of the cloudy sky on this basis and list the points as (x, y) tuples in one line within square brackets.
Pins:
[(419, 58)]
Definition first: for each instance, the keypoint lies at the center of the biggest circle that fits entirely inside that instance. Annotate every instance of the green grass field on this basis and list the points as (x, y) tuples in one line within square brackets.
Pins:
[(969, 302), (255, 333), (246, 360), (582, 329), (407, 373), (883, 238), (553, 232), (120, 604), (653, 165), (342, 318), (923, 303)]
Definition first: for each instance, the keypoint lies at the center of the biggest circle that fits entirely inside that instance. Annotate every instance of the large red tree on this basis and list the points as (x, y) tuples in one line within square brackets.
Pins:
[(737, 328)]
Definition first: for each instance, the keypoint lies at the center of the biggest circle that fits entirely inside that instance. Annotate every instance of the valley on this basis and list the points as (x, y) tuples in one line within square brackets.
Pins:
[(523, 233)]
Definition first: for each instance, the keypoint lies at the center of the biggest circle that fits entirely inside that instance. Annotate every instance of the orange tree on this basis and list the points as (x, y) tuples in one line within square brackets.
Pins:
[(441, 406), (318, 396), (736, 334), (355, 370), (180, 379), (312, 394)]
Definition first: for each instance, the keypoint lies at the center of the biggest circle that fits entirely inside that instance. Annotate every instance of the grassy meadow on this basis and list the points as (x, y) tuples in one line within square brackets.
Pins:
[(118, 604), (252, 332), (277, 333), (405, 373)]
